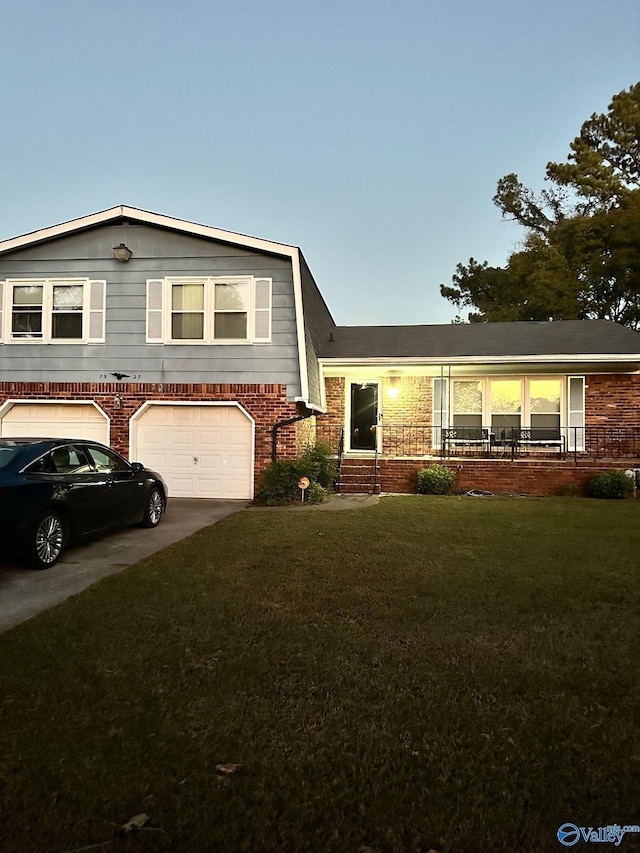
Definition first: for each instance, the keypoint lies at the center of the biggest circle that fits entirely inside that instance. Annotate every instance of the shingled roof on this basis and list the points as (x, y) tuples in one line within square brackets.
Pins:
[(482, 340)]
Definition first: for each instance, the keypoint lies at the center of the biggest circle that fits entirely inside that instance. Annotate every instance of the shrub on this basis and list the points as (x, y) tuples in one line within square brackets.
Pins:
[(323, 465), (280, 480), (611, 484), (435, 480), (315, 494)]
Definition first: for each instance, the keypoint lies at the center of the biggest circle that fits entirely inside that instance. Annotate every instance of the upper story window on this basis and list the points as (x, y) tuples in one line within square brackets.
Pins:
[(209, 310), (52, 310)]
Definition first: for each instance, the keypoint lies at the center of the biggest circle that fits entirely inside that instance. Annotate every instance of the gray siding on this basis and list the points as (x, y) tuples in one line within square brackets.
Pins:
[(157, 252)]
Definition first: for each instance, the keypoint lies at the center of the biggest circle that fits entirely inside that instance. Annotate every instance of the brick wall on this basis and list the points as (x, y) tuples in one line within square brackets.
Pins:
[(612, 400), (267, 404), (497, 476)]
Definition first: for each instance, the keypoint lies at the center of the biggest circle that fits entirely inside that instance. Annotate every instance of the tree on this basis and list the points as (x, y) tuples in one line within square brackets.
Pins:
[(581, 252)]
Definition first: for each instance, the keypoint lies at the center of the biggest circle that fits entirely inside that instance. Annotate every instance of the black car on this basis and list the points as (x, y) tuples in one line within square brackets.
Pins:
[(54, 491)]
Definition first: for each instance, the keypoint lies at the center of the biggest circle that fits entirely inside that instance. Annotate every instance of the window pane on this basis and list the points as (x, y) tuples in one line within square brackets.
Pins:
[(545, 427), (230, 326), (505, 427), (27, 324), (232, 297), (467, 421), (467, 397), (66, 326), (506, 395), (27, 294), (67, 297), (187, 327), (544, 395), (187, 297), (107, 461)]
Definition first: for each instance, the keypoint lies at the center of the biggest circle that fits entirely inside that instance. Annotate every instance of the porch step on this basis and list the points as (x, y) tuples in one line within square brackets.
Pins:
[(356, 476)]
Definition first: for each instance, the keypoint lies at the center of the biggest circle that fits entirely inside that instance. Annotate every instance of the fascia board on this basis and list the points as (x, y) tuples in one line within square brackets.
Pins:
[(149, 218), (302, 341), (494, 359)]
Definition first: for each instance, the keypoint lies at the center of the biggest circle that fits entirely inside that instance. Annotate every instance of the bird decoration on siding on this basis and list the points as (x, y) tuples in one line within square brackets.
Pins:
[(120, 375)]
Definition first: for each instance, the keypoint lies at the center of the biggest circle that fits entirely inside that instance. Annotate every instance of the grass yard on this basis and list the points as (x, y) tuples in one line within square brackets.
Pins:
[(451, 673)]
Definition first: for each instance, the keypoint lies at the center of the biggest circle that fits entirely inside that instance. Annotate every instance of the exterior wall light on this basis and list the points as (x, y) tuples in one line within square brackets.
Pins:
[(394, 388), (122, 253)]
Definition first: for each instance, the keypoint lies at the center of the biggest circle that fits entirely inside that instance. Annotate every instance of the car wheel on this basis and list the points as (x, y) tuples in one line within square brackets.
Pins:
[(47, 540), (154, 508)]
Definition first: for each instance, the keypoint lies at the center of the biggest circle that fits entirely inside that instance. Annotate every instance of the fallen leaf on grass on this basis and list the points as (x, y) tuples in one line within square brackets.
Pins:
[(227, 769), (136, 822)]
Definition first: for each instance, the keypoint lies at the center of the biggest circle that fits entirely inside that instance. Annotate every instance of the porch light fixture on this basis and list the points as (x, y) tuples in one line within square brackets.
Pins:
[(394, 388), (122, 253), (117, 402)]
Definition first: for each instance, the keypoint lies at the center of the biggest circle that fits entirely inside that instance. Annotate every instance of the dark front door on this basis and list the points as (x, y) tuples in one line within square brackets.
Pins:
[(364, 416)]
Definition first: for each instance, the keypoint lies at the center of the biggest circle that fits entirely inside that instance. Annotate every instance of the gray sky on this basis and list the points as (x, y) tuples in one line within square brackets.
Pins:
[(370, 134)]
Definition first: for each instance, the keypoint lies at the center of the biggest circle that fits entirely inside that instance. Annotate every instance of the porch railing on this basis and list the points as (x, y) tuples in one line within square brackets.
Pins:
[(420, 440)]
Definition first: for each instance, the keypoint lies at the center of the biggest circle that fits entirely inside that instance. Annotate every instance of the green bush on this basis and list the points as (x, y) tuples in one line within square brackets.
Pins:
[(315, 494), (435, 480), (322, 463), (280, 480), (611, 484)]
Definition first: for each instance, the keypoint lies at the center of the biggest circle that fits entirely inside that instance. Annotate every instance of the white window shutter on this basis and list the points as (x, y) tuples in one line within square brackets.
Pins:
[(1, 311), (575, 412), (155, 324), (97, 304), (262, 310)]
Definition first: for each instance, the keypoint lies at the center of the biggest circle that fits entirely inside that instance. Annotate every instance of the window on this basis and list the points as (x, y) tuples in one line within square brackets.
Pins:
[(544, 408), (209, 310), (506, 406), (187, 311), (549, 406), (54, 310), (467, 403), (106, 461)]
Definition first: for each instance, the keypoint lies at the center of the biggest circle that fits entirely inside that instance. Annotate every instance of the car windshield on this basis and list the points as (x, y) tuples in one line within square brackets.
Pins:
[(8, 454)]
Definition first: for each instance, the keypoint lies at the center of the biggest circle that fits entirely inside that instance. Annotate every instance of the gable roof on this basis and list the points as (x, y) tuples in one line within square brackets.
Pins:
[(466, 342), (123, 211), (310, 330)]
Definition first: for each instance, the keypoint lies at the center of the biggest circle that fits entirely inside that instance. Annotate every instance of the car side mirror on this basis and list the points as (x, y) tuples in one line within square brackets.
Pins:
[(137, 466)]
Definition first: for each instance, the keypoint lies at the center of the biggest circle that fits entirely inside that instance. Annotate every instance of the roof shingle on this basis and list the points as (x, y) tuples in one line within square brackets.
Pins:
[(482, 340)]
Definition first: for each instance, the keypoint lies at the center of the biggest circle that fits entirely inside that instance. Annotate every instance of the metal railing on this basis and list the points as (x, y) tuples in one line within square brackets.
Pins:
[(420, 440)]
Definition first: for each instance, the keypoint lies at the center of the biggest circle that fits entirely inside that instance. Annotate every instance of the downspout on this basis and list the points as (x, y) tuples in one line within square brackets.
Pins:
[(276, 427)]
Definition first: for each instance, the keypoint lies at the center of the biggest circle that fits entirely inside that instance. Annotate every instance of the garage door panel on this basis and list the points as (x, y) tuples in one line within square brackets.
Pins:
[(202, 451), (55, 420)]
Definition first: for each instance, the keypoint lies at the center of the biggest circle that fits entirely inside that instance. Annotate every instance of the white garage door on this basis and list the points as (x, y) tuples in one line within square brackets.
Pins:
[(201, 451), (55, 420)]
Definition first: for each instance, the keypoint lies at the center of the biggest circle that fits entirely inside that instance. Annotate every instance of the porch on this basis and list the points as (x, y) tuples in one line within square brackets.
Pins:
[(522, 461)]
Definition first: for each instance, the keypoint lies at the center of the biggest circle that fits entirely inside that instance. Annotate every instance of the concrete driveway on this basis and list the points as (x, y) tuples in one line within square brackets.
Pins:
[(25, 592)]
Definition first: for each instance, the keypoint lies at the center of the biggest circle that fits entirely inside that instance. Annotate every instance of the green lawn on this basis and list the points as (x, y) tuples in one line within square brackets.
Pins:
[(457, 673)]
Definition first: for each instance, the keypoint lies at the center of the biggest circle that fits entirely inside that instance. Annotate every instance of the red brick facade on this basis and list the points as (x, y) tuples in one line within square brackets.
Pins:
[(612, 399), (523, 477), (267, 405)]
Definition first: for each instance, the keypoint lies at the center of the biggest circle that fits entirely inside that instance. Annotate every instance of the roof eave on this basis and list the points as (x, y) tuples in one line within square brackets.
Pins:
[(488, 359), (149, 218)]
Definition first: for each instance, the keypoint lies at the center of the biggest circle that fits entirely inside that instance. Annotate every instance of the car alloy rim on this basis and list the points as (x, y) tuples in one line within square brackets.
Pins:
[(49, 539), (155, 506)]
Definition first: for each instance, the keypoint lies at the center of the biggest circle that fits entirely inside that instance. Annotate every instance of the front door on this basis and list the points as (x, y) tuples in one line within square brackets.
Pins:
[(364, 416)]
